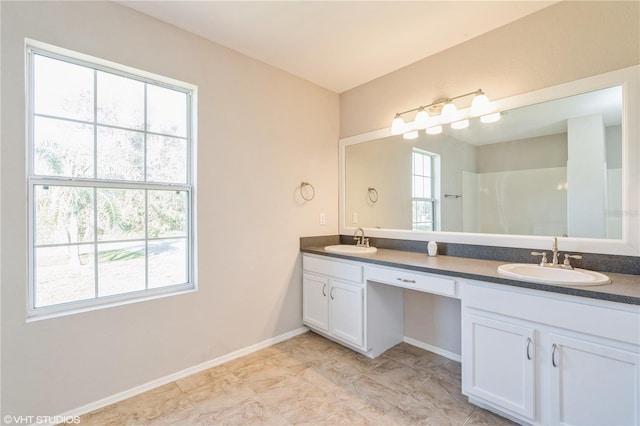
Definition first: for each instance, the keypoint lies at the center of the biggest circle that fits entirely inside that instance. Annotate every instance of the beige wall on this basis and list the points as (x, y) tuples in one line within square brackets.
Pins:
[(564, 42), (261, 132)]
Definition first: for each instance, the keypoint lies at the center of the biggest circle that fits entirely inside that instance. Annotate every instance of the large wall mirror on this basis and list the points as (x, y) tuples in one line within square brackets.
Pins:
[(562, 161)]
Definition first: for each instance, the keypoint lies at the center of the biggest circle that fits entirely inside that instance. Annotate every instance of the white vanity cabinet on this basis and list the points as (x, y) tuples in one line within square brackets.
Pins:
[(593, 383), (551, 359), (499, 364), (315, 301), (333, 299), (339, 303), (346, 312)]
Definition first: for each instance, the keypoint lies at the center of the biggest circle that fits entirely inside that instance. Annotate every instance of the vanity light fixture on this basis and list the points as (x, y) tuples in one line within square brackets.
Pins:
[(480, 104), (443, 111), (422, 119), (462, 124), (491, 118), (398, 125), (449, 112), (435, 130), (413, 134)]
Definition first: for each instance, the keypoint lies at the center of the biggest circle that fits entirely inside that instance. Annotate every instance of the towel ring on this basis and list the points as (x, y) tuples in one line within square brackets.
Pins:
[(313, 191), (373, 195)]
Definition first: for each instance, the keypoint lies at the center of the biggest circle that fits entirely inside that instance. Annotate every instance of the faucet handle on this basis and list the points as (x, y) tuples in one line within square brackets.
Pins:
[(567, 262), (544, 260)]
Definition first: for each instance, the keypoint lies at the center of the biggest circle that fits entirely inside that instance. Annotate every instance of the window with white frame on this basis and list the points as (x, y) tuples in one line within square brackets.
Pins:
[(110, 183), (423, 192)]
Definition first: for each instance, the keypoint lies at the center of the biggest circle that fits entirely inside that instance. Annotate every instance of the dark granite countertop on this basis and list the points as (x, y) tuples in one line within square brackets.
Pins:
[(623, 288)]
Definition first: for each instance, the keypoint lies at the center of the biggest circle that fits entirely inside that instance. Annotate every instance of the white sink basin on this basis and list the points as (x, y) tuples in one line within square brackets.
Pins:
[(548, 275), (349, 249)]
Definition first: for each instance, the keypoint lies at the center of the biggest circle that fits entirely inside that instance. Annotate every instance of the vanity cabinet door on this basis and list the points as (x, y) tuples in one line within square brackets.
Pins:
[(593, 384), (498, 363), (346, 307), (315, 301)]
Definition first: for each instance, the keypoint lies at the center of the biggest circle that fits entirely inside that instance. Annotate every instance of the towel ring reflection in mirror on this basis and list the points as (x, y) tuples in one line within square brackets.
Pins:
[(373, 195), (303, 185)]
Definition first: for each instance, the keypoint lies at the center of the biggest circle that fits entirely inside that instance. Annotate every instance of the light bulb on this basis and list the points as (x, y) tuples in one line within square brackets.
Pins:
[(435, 130), (480, 105), (397, 125), (449, 112), (422, 119), (490, 118), (462, 124), (413, 134)]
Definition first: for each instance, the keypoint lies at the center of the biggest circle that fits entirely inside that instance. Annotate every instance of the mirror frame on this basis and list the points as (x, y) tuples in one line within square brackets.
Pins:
[(629, 245)]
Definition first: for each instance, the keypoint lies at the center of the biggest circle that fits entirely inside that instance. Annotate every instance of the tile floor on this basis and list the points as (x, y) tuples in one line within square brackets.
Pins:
[(309, 380)]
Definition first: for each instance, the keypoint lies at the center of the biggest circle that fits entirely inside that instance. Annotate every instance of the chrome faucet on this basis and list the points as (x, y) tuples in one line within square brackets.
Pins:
[(567, 263), (554, 262), (361, 241), (543, 261)]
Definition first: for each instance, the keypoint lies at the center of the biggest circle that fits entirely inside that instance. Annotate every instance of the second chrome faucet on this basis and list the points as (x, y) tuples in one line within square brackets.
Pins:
[(361, 241), (554, 262)]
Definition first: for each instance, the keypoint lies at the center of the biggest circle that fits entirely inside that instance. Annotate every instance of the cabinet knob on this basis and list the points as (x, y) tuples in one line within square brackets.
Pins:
[(324, 290), (528, 347), (331, 293), (553, 355)]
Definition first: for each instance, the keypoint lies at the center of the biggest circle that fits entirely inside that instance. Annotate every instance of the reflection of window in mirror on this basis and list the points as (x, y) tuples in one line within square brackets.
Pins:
[(423, 200)]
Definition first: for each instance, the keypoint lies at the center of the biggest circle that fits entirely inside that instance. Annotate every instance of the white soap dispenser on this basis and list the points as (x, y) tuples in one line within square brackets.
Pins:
[(432, 248)]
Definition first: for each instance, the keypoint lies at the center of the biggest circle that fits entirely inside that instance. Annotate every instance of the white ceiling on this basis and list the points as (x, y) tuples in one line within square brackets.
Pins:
[(338, 44)]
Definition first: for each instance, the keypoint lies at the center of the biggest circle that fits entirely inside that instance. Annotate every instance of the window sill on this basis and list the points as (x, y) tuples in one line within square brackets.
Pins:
[(63, 310)]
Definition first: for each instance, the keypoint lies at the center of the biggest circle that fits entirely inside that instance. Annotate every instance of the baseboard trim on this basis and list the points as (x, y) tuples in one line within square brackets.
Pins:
[(181, 374), (434, 349), (488, 407)]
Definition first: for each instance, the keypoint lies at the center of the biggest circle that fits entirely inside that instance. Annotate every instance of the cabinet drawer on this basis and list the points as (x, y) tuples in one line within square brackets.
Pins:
[(345, 271), (413, 280)]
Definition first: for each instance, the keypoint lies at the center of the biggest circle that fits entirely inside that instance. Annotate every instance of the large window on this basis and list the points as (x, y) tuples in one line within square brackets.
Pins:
[(423, 193), (110, 183)]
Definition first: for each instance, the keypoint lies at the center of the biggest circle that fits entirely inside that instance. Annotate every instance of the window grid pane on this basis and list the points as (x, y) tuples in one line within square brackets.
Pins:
[(167, 111), (121, 267), (92, 238), (62, 148), (63, 215), (120, 101), (62, 89), (64, 274), (121, 214)]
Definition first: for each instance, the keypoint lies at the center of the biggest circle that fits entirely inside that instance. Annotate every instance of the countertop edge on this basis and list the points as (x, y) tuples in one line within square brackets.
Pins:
[(568, 290)]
